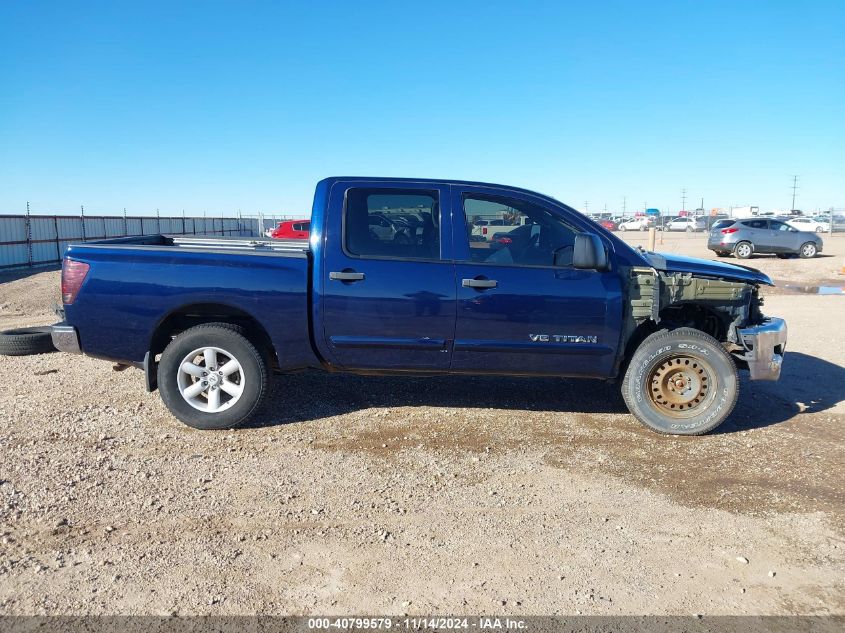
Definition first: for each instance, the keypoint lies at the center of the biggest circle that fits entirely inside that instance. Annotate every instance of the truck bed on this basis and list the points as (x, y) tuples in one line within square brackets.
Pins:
[(137, 283)]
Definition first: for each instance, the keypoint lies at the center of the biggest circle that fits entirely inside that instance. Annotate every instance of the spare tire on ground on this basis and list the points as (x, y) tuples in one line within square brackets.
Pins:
[(25, 341)]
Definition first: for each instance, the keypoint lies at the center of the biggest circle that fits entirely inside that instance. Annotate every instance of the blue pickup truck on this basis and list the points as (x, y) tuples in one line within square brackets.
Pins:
[(398, 278)]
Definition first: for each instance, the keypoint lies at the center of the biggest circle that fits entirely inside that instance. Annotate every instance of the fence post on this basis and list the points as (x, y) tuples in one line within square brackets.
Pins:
[(183, 221), (158, 223), (28, 236), (82, 209), (125, 224), (58, 247)]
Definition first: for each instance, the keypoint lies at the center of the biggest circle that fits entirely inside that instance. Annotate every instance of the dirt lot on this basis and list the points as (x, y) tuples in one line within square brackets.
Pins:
[(394, 495)]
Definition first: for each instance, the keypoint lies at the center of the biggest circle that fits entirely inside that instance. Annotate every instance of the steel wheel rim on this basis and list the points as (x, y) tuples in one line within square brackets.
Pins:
[(210, 379), (681, 386), (809, 250), (743, 250)]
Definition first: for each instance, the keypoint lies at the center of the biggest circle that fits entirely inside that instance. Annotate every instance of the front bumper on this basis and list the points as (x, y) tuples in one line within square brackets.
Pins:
[(763, 348), (65, 338)]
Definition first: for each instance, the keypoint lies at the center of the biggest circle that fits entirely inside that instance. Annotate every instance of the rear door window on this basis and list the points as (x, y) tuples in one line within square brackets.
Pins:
[(373, 223), (756, 224)]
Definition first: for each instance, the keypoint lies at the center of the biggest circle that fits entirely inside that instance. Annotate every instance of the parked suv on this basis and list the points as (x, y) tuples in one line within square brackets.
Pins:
[(743, 238), (686, 224), (637, 224)]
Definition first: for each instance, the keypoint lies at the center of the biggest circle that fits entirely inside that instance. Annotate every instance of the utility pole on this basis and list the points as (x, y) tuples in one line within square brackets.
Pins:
[(624, 200), (794, 188), (683, 201), (586, 207)]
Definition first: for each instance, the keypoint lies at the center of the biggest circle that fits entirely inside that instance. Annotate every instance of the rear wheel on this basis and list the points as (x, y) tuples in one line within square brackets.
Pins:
[(808, 250), (681, 382), (744, 250), (212, 377), (819, 229)]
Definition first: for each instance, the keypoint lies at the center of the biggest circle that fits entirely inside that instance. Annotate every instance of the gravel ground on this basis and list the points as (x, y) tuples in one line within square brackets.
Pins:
[(421, 495)]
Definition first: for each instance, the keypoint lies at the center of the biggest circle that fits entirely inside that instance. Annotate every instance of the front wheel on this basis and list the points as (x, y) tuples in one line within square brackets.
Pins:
[(681, 382), (212, 377), (808, 250)]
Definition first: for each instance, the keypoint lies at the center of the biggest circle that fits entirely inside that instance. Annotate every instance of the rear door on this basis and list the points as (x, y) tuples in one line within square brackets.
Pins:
[(519, 312), (758, 232), (387, 300)]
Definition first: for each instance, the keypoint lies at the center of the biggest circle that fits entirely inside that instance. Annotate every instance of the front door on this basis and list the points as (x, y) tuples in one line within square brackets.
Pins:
[(522, 307), (782, 237), (388, 299)]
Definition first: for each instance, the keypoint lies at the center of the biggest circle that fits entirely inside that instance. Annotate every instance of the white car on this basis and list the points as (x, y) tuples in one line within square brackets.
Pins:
[(686, 224), (819, 225), (635, 224)]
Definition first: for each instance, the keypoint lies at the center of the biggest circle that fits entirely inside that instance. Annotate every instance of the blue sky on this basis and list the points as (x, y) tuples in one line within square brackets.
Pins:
[(222, 106)]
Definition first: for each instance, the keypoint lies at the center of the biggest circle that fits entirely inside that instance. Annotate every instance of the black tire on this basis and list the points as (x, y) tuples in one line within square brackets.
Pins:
[(26, 341), (808, 250), (741, 252), (231, 343), (695, 359)]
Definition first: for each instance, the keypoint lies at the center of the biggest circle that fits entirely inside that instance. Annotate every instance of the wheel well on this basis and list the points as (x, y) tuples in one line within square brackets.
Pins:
[(188, 316), (690, 315), (696, 316)]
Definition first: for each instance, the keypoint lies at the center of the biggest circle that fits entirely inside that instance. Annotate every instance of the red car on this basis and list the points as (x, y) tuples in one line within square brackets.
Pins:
[(292, 230), (610, 225)]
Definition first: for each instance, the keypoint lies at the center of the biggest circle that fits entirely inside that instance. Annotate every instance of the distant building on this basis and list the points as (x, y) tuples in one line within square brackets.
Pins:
[(744, 212)]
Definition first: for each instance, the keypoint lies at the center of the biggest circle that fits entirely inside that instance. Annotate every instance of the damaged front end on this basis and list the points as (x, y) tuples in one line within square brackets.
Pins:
[(727, 309)]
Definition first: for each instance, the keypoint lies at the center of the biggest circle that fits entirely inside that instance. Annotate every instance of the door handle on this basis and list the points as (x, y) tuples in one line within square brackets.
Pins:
[(480, 284), (346, 276)]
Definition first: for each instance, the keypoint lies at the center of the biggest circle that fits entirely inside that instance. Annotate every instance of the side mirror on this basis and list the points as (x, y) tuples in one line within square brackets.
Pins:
[(589, 252)]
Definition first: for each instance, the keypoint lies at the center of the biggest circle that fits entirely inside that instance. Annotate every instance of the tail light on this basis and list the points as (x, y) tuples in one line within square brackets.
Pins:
[(73, 274), (729, 231), (484, 230)]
